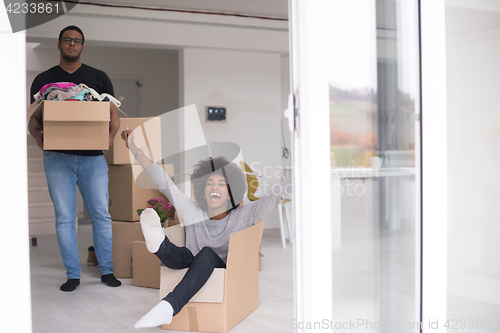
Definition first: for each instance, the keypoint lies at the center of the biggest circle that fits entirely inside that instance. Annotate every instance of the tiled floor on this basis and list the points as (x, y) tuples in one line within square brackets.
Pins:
[(96, 308)]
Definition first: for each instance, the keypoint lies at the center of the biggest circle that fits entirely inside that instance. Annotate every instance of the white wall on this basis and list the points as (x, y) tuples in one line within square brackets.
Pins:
[(473, 69), (248, 84), (156, 70)]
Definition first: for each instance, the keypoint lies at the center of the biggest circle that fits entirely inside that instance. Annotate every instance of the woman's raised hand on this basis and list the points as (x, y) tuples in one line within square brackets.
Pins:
[(128, 137)]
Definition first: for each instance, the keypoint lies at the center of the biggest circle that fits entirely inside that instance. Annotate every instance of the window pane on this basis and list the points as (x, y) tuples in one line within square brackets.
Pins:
[(374, 96)]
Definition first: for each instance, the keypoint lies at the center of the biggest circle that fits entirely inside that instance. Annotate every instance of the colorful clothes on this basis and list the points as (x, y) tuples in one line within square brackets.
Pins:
[(60, 85), (62, 95)]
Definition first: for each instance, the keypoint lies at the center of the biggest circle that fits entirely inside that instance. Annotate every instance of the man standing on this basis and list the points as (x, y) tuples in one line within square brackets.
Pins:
[(65, 169)]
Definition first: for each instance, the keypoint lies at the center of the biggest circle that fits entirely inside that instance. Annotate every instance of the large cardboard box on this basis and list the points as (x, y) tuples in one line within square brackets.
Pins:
[(127, 195), (173, 220), (145, 266), (147, 133), (74, 125), (229, 295), (124, 233)]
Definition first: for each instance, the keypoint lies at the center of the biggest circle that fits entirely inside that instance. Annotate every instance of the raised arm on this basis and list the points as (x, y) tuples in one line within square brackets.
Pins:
[(261, 207), (139, 155), (183, 204)]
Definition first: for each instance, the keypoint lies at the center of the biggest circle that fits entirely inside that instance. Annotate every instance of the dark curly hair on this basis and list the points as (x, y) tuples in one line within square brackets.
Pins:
[(235, 179)]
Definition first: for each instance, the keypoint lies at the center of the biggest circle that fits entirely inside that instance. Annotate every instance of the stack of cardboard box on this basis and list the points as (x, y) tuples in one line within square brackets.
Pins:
[(74, 125), (129, 190)]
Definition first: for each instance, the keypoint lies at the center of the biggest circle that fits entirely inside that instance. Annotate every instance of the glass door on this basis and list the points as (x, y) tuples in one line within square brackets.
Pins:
[(357, 156)]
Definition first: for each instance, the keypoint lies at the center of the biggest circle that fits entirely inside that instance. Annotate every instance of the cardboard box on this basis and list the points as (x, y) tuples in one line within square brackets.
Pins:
[(145, 266), (229, 295), (173, 220), (147, 133), (74, 125), (124, 233), (212, 291), (127, 195), (260, 260)]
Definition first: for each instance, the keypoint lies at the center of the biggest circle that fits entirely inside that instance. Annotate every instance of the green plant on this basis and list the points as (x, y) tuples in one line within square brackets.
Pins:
[(382, 156), (161, 208)]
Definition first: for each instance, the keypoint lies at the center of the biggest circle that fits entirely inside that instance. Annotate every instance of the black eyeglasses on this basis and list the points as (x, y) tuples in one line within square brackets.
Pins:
[(68, 40)]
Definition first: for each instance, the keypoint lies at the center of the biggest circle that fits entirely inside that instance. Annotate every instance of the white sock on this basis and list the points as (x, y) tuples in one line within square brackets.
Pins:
[(159, 315), (152, 230)]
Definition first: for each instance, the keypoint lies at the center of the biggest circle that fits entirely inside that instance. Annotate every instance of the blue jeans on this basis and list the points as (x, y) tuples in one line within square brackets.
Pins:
[(90, 173), (200, 266)]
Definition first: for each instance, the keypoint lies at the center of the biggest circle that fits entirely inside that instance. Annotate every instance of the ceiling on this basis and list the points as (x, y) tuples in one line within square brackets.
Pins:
[(268, 8), (265, 8)]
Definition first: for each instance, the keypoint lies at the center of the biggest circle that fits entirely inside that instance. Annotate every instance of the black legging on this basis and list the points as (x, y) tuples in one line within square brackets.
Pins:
[(200, 266)]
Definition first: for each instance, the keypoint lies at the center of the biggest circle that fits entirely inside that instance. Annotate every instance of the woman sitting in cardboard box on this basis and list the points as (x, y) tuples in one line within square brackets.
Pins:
[(219, 187)]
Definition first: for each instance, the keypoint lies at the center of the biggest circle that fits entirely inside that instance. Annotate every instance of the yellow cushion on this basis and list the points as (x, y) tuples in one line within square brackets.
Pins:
[(252, 183)]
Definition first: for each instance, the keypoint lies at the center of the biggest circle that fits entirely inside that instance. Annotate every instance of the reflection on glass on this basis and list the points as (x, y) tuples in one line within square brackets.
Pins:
[(373, 76), (353, 126)]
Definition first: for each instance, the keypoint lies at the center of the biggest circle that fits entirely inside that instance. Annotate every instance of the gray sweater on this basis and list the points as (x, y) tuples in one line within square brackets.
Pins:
[(200, 230)]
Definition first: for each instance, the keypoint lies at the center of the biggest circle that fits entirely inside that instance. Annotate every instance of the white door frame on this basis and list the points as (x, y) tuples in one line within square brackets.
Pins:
[(434, 164), (312, 250), (15, 286)]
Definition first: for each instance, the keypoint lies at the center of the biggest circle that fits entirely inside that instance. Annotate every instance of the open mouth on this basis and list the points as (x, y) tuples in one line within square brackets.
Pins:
[(214, 196)]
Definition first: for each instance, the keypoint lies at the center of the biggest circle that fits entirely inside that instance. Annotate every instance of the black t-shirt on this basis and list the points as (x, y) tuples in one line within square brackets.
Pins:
[(92, 77)]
